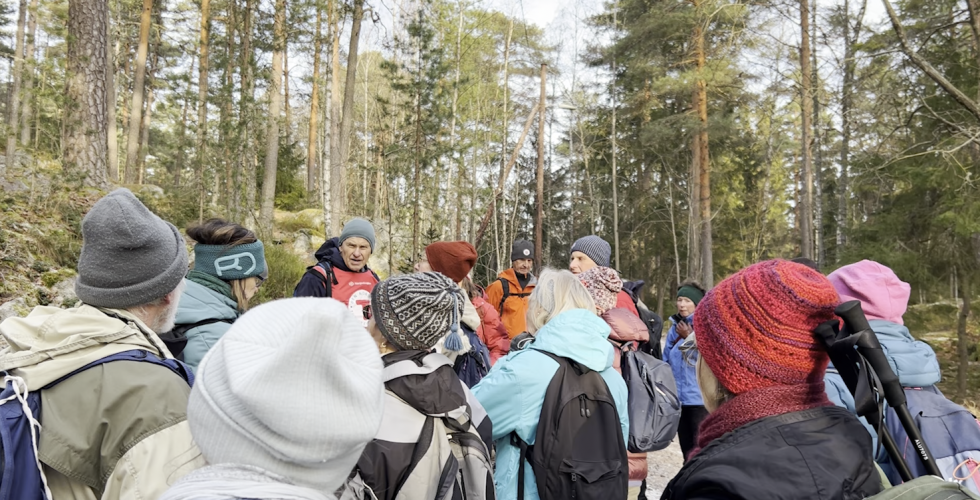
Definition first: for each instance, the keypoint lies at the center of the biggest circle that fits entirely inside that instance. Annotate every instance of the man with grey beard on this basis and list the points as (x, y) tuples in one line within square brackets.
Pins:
[(117, 429)]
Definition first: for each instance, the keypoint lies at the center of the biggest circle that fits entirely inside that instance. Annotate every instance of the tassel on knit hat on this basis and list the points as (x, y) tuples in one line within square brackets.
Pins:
[(414, 311)]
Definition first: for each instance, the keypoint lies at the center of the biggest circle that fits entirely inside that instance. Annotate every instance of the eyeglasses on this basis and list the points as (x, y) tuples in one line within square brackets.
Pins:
[(366, 312), (258, 281)]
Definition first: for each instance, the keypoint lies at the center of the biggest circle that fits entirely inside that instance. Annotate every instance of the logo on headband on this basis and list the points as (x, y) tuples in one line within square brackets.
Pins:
[(234, 263), (527, 253)]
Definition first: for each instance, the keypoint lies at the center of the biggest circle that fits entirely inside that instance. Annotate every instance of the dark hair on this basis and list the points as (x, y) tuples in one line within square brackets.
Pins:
[(691, 283), (808, 263), (471, 288), (220, 232)]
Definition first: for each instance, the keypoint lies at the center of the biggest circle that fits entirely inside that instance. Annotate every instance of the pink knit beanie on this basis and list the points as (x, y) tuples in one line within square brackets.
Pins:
[(882, 295), (603, 284)]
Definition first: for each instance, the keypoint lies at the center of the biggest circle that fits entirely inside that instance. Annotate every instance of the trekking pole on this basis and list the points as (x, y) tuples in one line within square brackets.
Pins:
[(872, 412), (870, 349)]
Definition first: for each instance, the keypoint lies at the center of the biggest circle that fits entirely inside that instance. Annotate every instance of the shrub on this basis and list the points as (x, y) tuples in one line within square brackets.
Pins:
[(285, 271), (52, 278)]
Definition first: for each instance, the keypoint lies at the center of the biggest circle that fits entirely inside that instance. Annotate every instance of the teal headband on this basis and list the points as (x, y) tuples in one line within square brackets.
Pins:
[(690, 292), (230, 263)]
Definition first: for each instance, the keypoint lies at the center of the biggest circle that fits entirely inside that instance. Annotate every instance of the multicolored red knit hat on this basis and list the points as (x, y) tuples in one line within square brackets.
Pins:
[(755, 329), (603, 284), (414, 311)]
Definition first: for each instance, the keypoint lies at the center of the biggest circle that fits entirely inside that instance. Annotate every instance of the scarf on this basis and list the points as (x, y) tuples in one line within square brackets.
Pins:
[(758, 404), (234, 482), (212, 283)]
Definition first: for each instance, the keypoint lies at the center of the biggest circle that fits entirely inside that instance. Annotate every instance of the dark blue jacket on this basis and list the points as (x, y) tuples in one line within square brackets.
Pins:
[(311, 284)]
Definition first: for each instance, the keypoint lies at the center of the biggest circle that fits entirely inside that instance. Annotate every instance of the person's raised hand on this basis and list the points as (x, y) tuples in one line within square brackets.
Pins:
[(683, 329)]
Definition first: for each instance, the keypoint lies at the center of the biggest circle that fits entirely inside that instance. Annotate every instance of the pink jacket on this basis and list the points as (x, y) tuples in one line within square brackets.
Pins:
[(491, 331)]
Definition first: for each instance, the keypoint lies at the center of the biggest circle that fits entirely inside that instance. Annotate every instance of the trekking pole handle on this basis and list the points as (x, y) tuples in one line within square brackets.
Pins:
[(870, 348)]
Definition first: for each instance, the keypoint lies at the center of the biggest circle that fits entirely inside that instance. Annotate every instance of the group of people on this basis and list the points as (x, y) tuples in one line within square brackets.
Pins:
[(163, 383)]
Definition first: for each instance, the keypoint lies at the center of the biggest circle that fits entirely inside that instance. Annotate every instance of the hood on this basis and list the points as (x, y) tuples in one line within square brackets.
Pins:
[(471, 317), (883, 296), (511, 276), (199, 303), (425, 381), (912, 360), (579, 335), (51, 342), (626, 326), (330, 252)]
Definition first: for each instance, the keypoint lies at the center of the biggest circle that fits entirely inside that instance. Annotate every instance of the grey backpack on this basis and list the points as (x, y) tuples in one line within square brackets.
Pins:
[(926, 488), (653, 406)]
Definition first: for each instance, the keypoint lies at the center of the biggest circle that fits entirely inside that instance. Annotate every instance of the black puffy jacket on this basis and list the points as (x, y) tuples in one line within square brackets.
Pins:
[(818, 454)]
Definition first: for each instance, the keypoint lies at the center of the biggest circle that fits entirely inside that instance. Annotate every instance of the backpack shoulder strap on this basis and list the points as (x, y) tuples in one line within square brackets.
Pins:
[(325, 272), (173, 365), (176, 339), (505, 286)]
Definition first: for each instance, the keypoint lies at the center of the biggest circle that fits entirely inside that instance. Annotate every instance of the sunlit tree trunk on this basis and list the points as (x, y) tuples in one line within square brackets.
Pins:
[(139, 85), (272, 136), (85, 126)]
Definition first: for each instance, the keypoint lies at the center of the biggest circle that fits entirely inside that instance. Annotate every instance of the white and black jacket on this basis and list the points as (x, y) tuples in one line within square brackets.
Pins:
[(408, 457)]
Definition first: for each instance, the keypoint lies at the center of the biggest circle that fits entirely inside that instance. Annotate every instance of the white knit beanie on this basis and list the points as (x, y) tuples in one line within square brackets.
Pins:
[(295, 388)]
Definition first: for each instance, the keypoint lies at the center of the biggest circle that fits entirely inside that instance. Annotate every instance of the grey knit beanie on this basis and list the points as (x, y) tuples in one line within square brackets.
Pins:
[(129, 255), (594, 247), (295, 387), (359, 228), (414, 311), (522, 249)]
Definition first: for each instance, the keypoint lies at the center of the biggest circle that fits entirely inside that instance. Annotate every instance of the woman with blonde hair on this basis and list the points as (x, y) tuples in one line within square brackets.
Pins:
[(229, 266), (561, 316)]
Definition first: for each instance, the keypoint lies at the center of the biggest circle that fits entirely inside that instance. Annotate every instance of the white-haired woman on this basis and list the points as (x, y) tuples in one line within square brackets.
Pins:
[(562, 317)]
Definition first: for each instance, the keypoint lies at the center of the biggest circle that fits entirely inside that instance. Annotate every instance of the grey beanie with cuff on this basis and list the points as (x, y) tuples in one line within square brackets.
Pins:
[(358, 228), (595, 248), (129, 255)]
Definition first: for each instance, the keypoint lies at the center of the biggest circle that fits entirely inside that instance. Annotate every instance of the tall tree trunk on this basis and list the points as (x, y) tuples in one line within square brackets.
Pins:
[(246, 112), (806, 102), (28, 78), (457, 234), (85, 126), (336, 172), (203, 65), (272, 137), (139, 84), (228, 131), (112, 146), (539, 194), (818, 146), (851, 39), (311, 163), (147, 116), (182, 133), (339, 184), (288, 122), (963, 340), (704, 175), (614, 152), (501, 246), (15, 97)]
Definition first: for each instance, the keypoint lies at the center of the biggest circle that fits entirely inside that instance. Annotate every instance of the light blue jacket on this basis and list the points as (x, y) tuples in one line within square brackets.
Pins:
[(912, 360), (683, 366), (513, 392), (199, 303)]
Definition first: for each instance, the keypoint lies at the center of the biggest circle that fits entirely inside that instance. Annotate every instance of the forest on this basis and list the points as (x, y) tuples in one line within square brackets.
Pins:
[(696, 136)]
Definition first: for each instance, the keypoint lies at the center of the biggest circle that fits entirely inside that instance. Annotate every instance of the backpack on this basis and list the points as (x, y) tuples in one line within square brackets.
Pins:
[(176, 339), (653, 321), (949, 430), (324, 271), (21, 474), (474, 364), (579, 451), (926, 488), (654, 408), (506, 288)]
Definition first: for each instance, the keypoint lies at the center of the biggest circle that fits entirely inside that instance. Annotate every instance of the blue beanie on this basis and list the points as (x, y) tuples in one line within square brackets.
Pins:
[(231, 263), (595, 248), (358, 228)]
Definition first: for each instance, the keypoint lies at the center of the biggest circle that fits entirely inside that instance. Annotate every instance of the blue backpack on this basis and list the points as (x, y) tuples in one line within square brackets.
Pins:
[(21, 476), (950, 432), (474, 364)]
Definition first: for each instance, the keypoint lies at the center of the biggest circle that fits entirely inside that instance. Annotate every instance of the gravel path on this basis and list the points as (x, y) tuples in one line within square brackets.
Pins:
[(662, 465)]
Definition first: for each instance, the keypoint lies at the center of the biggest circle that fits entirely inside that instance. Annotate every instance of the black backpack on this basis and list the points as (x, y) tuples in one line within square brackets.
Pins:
[(505, 285), (579, 452), (653, 321), (472, 365), (176, 339)]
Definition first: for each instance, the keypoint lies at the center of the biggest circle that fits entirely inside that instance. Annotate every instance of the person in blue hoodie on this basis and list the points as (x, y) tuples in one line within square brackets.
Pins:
[(562, 318), (682, 356), (229, 267), (884, 299)]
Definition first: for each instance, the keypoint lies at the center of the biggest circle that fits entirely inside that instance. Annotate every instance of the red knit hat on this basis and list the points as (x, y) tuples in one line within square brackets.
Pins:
[(755, 329), (452, 258)]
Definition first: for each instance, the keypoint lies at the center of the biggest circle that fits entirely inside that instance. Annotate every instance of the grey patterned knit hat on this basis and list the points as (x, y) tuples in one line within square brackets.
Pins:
[(414, 311)]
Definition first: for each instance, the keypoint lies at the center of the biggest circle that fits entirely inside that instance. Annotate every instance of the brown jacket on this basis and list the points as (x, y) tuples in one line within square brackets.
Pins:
[(116, 431), (514, 311), (627, 327)]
